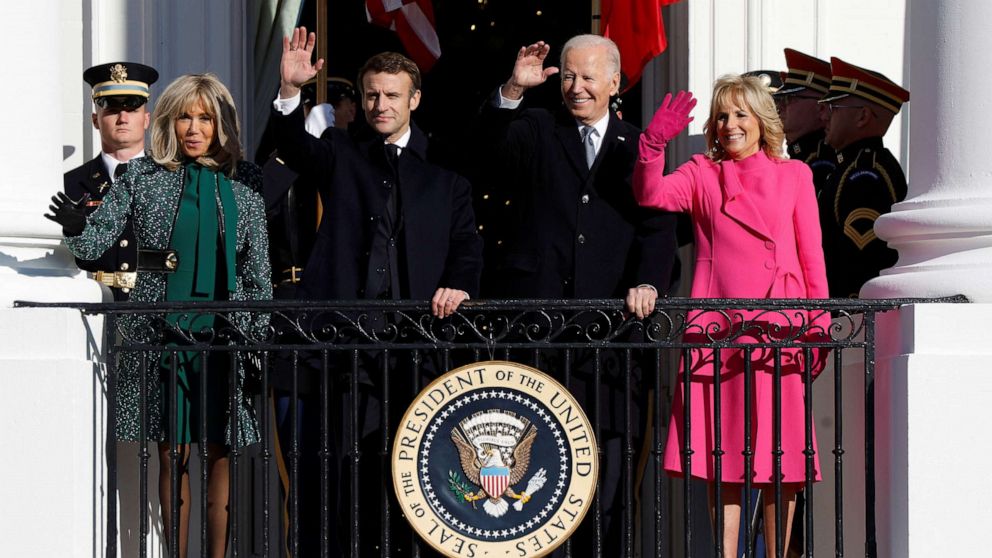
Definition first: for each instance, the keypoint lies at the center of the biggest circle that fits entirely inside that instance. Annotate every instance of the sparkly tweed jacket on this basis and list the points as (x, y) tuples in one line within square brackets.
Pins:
[(149, 194)]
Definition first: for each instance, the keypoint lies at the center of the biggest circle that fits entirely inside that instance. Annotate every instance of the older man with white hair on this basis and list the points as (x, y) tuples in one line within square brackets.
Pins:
[(580, 234), (577, 231)]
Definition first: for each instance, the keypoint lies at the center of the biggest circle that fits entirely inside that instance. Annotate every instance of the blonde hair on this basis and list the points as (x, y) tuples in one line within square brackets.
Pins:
[(181, 95), (751, 93)]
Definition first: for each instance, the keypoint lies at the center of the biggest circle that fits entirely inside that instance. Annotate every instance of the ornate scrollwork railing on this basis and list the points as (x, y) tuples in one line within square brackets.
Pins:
[(503, 323)]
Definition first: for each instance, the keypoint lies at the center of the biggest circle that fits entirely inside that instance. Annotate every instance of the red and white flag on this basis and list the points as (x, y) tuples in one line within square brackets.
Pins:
[(413, 21)]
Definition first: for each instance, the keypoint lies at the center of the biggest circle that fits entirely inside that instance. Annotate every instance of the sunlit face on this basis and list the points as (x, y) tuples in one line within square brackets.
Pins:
[(800, 115), (842, 122), (587, 83), (738, 130), (121, 128), (344, 113), (195, 130), (388, 103)]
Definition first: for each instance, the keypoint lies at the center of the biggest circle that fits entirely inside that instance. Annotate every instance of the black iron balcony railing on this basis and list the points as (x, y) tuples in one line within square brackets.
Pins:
[(364, 360)]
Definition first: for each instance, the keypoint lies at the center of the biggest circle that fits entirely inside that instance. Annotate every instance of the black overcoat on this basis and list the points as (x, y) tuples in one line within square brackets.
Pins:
[(578, 232), (442, 247)]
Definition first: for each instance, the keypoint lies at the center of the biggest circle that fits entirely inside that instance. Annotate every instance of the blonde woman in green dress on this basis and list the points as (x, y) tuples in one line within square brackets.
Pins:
[(196, 196)]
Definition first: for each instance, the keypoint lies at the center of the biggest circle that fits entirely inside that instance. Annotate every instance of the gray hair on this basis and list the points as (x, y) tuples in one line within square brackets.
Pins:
[(590, 41)]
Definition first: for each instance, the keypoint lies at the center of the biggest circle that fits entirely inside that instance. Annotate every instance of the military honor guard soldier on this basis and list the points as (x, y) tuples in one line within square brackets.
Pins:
[(803, 85), (867, 181), (120, 113)]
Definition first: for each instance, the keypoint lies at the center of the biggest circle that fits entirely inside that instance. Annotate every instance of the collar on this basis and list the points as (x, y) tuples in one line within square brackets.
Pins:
[(807, 144), (851, 152), (404, 139), (600, 125), (111, 164)]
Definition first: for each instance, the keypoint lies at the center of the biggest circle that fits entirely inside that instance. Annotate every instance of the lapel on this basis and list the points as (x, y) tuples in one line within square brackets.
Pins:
[(737, 204), (612, 141), (172, 184), (567, 133), (415, 178), (97, 179)]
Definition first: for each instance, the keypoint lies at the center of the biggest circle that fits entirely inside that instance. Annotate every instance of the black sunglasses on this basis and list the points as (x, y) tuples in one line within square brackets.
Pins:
[(121, 102)]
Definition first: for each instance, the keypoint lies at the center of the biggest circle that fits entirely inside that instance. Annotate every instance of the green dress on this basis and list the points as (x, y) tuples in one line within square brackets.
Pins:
[(205, 272), (150, 195)]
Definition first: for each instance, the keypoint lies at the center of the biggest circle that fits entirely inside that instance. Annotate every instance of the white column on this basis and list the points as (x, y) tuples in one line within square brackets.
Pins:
[(33, 266), (52, 404), (943, 230), (933, 383)]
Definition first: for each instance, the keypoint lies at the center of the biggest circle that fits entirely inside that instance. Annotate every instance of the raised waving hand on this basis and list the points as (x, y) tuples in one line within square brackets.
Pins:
[(528, 70), (670, 119), (295, 68)]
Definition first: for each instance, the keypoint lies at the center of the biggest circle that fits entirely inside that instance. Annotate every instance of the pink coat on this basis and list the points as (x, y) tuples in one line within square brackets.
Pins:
[(757, 235), (758, 215)]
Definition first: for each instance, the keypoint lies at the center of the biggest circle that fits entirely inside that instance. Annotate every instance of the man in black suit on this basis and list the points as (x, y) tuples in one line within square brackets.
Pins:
[(579, 231), (394, 226), (580, 234), (120, 96)]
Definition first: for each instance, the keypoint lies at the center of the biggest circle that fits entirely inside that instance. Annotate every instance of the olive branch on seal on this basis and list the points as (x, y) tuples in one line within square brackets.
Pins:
[(461, 488)]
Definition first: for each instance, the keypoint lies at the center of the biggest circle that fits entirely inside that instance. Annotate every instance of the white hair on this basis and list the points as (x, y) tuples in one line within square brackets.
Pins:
[(590, 41)]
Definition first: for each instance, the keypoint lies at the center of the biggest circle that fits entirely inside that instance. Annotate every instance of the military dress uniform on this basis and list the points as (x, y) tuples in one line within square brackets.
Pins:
[(810, 76), (120, 85), (865, 184), (117, 267), (820, 157)]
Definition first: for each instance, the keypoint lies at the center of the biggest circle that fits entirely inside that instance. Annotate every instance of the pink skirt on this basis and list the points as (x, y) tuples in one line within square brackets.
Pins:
[(702, 421)]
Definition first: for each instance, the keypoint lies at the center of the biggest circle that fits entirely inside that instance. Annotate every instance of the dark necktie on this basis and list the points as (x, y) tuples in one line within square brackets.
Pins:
[(120, 170), (393, 157)]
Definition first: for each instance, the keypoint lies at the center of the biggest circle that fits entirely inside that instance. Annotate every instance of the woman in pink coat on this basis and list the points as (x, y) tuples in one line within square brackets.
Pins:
[(757, 235)]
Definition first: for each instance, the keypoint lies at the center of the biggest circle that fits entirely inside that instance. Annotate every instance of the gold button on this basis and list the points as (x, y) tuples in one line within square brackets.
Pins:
[(125, 266)]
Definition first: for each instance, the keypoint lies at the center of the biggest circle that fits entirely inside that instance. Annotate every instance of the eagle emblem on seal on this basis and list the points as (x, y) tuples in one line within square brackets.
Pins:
[(494, 450)]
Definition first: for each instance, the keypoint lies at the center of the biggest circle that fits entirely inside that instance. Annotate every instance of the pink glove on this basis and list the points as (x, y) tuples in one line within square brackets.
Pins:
[(670, 119)]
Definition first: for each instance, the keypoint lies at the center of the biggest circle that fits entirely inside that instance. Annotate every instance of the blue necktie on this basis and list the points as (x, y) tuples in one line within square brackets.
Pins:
[(588, 134)]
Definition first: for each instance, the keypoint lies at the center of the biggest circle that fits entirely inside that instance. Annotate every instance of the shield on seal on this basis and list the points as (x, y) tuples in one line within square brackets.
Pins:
[(495, 480)]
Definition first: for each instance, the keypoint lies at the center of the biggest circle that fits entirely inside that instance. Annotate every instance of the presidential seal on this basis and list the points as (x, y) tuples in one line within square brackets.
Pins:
[(494, 459)]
